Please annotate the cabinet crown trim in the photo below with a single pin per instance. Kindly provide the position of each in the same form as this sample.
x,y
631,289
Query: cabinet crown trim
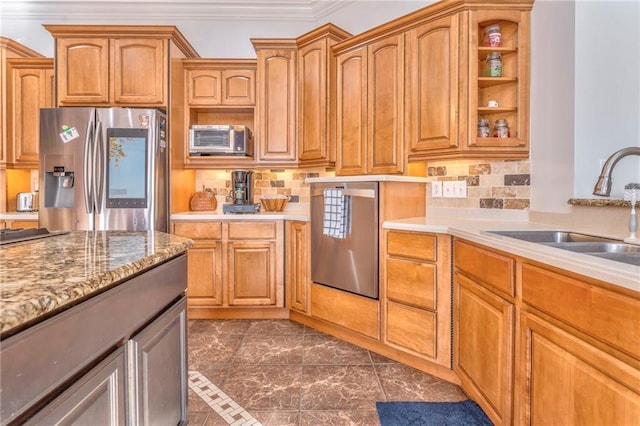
x,y
17,48
122,31
327,30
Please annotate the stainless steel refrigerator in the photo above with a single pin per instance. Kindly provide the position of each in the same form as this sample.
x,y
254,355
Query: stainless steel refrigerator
x,y
104,169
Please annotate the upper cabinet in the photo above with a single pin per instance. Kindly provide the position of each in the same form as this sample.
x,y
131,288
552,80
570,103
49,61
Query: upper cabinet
x,y
30,87
102,65
370,107
8,49
316,85
216,82
468,92
276,101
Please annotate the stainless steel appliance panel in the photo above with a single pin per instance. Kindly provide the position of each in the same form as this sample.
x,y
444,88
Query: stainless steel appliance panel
x,y
104,169
349,263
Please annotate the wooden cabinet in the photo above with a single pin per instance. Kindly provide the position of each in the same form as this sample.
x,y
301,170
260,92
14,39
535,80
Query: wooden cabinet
x,y
14,224
370,108
234,264
214,82
104,65
316,100
218,91
30,88
9,49
579,351
417,294
451,91
297,264
204,262
484,328
276,101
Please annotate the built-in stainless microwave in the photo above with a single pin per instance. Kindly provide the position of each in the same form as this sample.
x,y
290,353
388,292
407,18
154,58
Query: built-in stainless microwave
x,y
220,139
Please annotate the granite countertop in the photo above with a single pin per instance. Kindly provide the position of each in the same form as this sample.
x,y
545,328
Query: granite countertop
x,y
43,276
618,273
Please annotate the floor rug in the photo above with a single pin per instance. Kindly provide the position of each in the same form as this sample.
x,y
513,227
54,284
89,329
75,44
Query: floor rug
x,y
431,414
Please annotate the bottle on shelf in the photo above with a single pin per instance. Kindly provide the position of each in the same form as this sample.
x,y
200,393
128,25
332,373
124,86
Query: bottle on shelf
x,y
483,128
493,36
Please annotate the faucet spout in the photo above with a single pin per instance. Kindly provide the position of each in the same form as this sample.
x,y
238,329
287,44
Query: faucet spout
x,y
603,185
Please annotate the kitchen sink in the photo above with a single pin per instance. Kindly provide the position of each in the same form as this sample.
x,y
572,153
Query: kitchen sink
x,y
592,245
551,236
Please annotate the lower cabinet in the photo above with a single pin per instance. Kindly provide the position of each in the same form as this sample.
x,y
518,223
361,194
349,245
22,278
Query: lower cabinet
x,y
484,331
417,294
234,264
142,382
538,345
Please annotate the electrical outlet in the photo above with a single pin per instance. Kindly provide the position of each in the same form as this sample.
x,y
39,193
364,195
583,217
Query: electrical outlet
x,y
436,189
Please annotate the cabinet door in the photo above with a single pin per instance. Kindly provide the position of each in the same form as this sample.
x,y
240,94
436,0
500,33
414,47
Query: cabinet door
x,y
351,112
98,398
30,90
238,87
204,87
82,71
566,381
385,97
139,71
297,265
252,273
483,347
313,137
158,370
276,106
433,85
205,274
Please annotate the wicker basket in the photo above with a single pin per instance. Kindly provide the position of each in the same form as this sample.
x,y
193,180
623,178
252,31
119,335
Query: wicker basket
x,y
274,203
203,200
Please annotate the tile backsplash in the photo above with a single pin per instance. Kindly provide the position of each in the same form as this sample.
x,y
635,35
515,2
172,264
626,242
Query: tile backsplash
x,y
496,184
266,182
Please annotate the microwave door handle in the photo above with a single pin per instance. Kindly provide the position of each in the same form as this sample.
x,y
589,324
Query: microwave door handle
x,y
99,165
87,168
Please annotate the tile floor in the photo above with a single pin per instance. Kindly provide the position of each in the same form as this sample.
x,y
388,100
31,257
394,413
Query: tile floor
x,y
279,372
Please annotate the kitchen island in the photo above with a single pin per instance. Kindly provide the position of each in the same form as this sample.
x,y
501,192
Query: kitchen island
x,y
93,325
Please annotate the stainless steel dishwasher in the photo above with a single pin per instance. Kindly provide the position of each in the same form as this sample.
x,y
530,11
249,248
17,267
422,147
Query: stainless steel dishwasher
x,y
348,261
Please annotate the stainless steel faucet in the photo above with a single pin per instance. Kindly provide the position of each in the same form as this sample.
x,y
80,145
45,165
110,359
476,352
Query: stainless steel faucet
x,y
603,185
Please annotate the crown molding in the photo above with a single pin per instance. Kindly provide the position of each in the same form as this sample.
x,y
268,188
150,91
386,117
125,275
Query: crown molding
x,y
143,10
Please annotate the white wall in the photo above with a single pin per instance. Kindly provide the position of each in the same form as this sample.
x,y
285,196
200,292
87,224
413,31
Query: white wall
x,y
607,91
552,105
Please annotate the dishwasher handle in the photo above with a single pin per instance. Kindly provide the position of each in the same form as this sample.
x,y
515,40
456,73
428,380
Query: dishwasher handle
x,y
352,192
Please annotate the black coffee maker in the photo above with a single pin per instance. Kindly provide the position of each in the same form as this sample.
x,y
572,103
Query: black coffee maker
x,y
241,193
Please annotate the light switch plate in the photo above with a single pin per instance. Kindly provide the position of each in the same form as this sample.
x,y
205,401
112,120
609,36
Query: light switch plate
x,y
436,189
454,189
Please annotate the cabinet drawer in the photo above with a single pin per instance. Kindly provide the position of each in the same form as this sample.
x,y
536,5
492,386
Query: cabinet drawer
x,y
412,245
411,328
247,230
412,283
489,267
198,230
601,313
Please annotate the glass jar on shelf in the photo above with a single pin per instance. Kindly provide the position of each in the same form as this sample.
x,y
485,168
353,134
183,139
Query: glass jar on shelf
x,y
501,129
483,128
493,65
493,36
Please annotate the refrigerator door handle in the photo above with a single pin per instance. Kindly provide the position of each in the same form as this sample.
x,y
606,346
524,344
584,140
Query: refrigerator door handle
x,y
98,168
87,166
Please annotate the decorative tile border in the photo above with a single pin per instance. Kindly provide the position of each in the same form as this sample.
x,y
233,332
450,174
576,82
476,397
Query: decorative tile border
x,y
220,402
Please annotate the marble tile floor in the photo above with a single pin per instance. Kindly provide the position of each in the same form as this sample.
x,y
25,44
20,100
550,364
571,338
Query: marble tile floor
x,y
279,372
